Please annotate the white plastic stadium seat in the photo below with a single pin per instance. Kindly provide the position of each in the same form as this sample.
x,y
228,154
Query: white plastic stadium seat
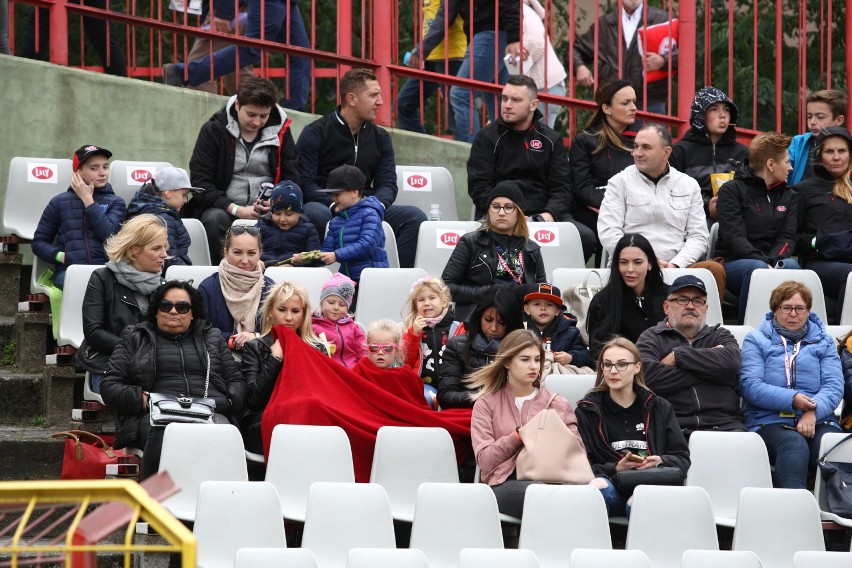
x,y
560,245
570,387
32,183
383,292
195,453
275,558
841,454
714,306
311,277
234,514
814,559
722,482
127,176
390,245
596,558
565,278
436,242
497,558
405,457
387,558
765,280
424,186
740,332
196,272
199,252
71,313
793,516
719,558
846,312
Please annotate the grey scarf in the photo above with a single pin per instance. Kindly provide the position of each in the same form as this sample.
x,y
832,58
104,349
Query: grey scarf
x,y
142,282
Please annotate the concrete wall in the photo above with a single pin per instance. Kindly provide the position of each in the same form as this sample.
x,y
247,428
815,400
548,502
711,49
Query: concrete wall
x,y
49,111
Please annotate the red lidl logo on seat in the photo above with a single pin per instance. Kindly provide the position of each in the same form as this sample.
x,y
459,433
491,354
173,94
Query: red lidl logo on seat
x,y
448,239
41,173
140,175
547,237
417,181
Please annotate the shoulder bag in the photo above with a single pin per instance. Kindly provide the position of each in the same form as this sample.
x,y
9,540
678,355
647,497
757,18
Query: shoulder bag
x,y
85,455
551,453
168,408
837,481
578,298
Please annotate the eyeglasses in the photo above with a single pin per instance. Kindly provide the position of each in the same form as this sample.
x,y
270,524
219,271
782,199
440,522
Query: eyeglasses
x,y
791,309
509,209
619,366
684,301
166,306
382,347
252,230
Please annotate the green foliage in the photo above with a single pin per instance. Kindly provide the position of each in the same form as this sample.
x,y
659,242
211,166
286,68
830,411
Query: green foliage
x,y
39,421
9,353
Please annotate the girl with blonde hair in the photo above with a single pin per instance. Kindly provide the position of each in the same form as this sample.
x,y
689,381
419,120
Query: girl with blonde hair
x,y
427,326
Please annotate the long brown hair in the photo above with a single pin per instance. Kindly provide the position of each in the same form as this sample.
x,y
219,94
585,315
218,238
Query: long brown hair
x,y
493,377
598,126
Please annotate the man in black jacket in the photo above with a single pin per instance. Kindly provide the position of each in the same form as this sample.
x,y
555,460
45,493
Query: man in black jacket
x,y
519,146
245,144
691,364
348,136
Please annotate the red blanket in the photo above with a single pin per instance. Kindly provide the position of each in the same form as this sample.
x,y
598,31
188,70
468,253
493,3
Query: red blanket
x,y
314,389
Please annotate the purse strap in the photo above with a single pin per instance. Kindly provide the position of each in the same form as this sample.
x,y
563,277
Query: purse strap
x,y
207,377
832,448
589,275
78,447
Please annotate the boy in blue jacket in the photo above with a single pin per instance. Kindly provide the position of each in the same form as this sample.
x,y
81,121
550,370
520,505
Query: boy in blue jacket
x,y
75,224
544,315
164,195
285,233
825,108
355,236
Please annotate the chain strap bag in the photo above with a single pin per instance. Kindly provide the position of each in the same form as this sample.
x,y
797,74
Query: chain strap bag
x,y
551,452
837,479
168,408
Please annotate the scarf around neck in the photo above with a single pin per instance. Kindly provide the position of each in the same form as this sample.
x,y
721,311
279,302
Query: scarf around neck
x,y
142,282
794,335
242,290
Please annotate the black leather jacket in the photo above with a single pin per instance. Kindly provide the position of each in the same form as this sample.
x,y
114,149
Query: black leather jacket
x,y
108,307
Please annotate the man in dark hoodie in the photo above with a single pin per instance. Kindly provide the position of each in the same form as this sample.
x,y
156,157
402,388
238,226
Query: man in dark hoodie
x,y
710,148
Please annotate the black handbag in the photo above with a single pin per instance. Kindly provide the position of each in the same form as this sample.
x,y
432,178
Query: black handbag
x,y
168,408
628,480
90,360
837,482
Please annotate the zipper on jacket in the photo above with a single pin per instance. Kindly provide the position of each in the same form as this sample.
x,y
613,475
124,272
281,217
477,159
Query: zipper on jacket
x,y
698,404
342,341
183,367
86,236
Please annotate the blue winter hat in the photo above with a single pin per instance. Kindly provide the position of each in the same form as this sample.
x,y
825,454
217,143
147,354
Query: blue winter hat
x,y
286,196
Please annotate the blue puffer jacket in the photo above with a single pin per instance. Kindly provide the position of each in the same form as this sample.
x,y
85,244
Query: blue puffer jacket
x,y
279,245
357,238
179,240
763,382
77,231
217,309
800,155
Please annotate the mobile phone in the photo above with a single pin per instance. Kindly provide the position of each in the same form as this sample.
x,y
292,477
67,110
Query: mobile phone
x,y
265,191
636,458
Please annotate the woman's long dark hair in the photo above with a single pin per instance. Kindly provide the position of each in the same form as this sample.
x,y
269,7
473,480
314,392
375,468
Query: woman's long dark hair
x,y
509,309
199,310
613,293
598,126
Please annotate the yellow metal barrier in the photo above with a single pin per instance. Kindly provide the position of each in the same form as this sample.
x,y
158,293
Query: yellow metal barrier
x,y
62,522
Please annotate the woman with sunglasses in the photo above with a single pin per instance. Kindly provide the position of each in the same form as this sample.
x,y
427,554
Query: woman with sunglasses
x,y
625,426
791,381
174,351
498,254
288,304
235,293
117,295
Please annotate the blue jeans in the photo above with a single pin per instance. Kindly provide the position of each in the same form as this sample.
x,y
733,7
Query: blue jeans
x,y
480,68
274,13
833,276
616,503
408,100
792,454
738,275
551,111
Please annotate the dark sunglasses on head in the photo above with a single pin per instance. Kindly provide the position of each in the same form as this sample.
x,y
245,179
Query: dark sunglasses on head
x,y
252,230
382,347
166,306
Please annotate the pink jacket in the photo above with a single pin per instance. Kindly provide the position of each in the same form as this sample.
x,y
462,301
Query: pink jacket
x,y
350,342
492,429
547,70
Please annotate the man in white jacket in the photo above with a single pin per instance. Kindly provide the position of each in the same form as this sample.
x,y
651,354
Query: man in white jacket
x,y
659,202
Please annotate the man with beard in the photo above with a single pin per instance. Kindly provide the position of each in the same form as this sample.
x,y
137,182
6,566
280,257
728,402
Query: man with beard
x,y
691,364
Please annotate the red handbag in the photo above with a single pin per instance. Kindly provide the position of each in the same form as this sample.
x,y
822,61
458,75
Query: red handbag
x,y
86,455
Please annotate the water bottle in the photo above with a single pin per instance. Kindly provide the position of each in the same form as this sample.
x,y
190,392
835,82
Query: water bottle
x,y
435,212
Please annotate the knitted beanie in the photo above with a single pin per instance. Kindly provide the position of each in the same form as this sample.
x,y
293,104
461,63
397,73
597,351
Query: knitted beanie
x,y
338,285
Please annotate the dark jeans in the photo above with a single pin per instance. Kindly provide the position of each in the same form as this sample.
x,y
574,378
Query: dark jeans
x,y
111,54
216,222
792,454
588,219
510,496
833,276
405,221
408,100
738,276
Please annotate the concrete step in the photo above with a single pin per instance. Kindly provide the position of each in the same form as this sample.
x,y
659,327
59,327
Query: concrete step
x,y
28,452
23,397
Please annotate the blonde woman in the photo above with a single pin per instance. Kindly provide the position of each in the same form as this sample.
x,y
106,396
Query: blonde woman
x,y
509,394
117,295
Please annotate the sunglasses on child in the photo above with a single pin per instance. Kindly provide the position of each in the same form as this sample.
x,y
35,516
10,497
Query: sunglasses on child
x,y
382,347
166,306
252,230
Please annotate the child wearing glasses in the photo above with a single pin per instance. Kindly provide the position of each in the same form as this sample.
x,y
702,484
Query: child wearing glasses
x,y
332,318
544,314
286,233
355,236
625,426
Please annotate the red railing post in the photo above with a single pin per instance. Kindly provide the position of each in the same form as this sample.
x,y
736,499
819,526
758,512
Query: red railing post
x,y
382,56
59,33
848,53
686,59
344,34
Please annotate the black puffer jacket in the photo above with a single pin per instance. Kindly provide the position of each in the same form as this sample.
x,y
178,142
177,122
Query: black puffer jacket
x,y
591,172
819,211
756,222
661,430
452,391
471,269
108,307
133,369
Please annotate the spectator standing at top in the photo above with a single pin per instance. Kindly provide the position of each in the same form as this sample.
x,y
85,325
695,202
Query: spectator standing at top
x,y
546,69
245,144
824,109
75,224
520,147
610,28
443,55
710,146
349,136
